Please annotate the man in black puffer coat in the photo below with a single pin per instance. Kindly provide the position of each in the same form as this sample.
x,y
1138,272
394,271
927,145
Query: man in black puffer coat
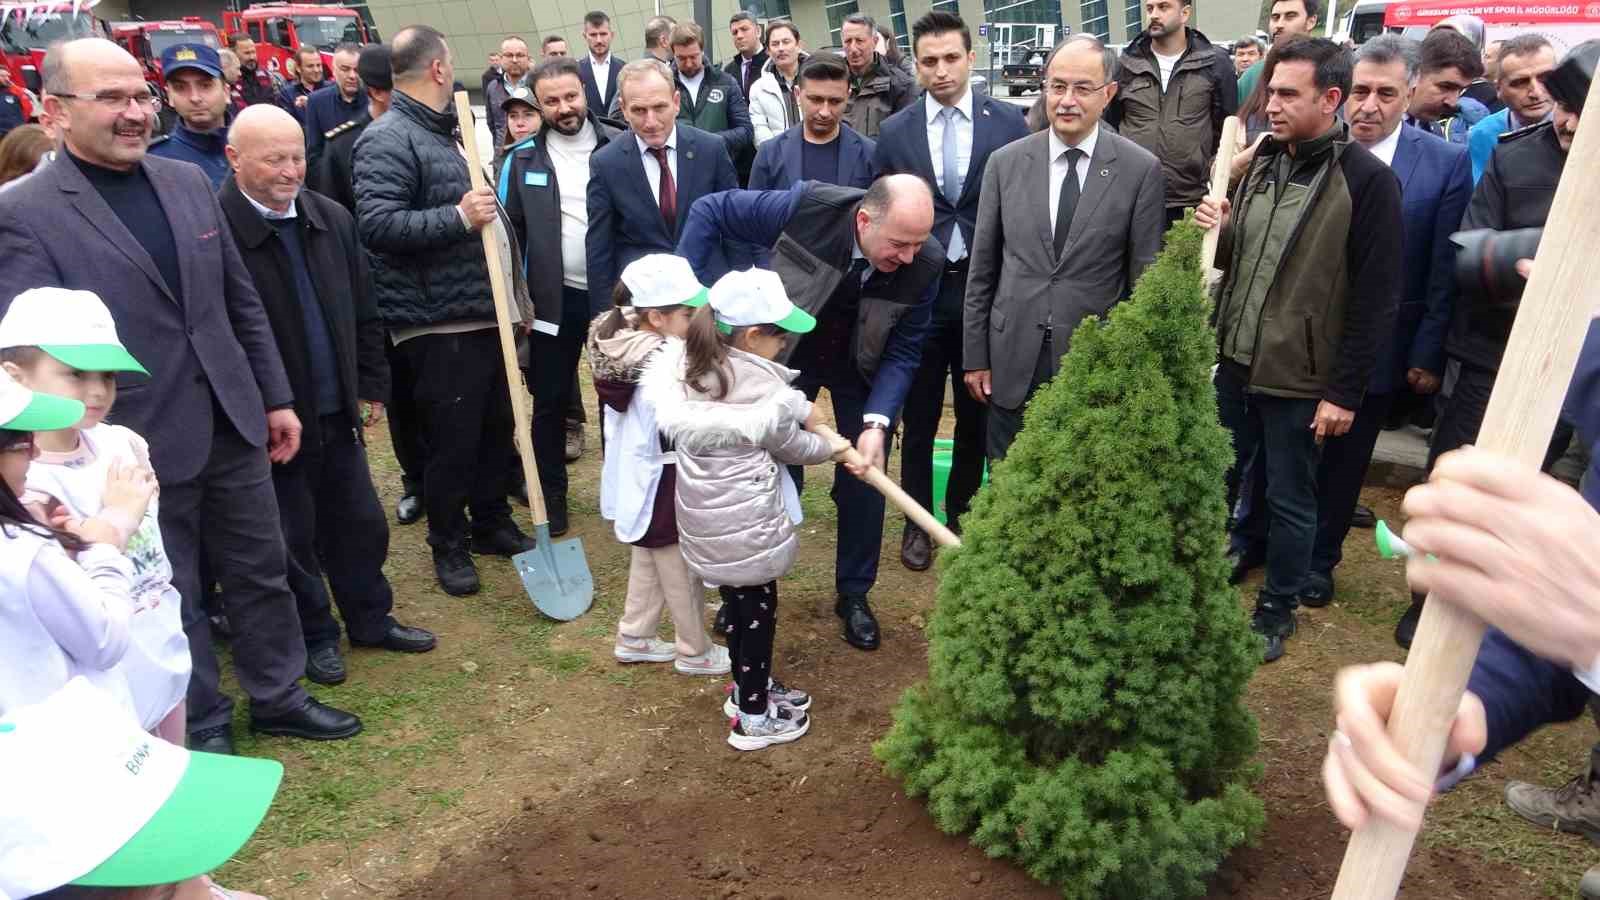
x,y
419,218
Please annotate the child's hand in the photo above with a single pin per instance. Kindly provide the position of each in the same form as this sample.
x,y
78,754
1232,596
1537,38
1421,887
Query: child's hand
x,y
90,531
129,488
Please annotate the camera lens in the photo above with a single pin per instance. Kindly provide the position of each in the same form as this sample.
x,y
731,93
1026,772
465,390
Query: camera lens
x,y
1486,273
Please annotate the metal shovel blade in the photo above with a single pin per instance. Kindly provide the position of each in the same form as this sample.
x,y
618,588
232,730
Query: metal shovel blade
x,y
556,575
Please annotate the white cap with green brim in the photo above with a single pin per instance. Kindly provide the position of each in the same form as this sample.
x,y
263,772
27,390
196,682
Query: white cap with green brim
x,y
661,279
91,799
72,326
25,410
756,297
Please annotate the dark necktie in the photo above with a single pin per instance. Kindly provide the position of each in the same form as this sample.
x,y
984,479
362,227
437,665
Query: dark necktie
x,y
1068,203
668,194
744,76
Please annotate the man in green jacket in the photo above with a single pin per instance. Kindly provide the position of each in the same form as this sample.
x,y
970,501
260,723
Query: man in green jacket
x,y
709,98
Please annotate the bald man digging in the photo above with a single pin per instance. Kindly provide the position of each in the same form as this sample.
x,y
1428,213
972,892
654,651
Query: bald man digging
x,y
147,235
866,265
307,263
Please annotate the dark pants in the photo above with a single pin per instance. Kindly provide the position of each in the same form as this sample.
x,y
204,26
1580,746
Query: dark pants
x,y
859,504
232,503
553,361
1521,693
1276,433
1173,214
1005,423
941,365
1463,413
405,426
333,524
752,622
465,413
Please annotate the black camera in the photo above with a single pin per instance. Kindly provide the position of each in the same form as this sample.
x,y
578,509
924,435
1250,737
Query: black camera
x,y
1486,272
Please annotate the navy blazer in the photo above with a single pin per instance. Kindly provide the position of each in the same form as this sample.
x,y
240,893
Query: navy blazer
x,y
778,166
591,92
625,221
1435,187
903,147
209,339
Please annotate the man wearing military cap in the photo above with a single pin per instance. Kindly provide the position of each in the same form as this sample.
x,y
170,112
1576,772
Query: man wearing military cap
x,y
197,93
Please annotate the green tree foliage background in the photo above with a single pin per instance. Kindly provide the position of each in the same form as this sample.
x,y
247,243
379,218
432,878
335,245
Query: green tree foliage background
x,y
1083,710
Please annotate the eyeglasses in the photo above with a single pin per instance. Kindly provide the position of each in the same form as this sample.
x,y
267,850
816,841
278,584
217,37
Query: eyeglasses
x,y
115,99
1081,90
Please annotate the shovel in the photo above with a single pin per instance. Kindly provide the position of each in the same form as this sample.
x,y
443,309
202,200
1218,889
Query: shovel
x,y
846,452
555,574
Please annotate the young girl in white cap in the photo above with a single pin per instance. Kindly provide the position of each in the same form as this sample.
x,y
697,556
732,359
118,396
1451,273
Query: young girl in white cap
x,y
64,587
654,300
735,422
65,342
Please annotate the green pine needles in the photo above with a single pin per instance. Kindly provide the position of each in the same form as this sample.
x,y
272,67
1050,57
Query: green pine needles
x,y
1083,710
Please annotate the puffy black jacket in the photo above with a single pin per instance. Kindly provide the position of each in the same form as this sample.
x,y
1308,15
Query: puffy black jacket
x,y
427,266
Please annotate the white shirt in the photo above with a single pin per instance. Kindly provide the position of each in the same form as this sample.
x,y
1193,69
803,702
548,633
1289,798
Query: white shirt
x,y
569,156
1058,166
602,74
963,130
268,212
691,86
855,254
1385,147
1166,64
652,169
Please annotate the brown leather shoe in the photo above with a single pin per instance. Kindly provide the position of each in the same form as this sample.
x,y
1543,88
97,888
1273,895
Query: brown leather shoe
x,y
916,549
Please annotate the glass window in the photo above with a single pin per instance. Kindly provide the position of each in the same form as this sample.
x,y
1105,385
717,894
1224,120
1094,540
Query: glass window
x,y
327,32
897,22
837,10
1134,11
1096,20
22,30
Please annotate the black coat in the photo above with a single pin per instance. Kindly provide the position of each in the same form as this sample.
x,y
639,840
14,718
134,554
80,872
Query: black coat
x,y
339,272
427,266
331,175
1516,191
734,70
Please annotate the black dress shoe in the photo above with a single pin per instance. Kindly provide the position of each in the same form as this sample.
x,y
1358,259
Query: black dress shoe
x,y
401,639
557,509
218,739
455,571
1363,517
1242,561
312,722
325,666
916,549
503,539
1406,629
1317,591
409,509
860,626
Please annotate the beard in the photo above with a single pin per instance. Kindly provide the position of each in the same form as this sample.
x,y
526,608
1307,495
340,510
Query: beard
x,y
569,124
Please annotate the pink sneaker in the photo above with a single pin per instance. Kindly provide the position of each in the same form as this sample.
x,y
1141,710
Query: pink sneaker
x,y
712,662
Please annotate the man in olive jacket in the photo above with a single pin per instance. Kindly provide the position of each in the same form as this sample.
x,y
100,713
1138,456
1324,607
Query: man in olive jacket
x,y
878,88
709,98
1311,251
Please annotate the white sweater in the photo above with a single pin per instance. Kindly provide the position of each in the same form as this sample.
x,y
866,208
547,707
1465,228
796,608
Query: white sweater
x,y
60,619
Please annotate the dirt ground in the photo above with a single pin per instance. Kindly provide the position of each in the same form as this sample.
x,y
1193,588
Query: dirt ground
x,y
519,760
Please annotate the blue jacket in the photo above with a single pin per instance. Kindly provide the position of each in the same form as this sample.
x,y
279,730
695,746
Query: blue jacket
x,y
903,147
778,166
720,225
1482,138
11,114
625,221
293,91
1469,112
326,110
1434,190
203,149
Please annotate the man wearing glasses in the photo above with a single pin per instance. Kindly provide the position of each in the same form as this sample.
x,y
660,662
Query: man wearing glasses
x,y
1051,259
147,235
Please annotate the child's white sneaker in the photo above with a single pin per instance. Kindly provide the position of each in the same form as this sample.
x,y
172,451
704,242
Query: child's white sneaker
x,y
640,650
777,695
712,662
779,726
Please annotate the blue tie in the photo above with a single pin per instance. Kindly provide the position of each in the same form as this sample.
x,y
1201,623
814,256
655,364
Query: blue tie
x,y
950,180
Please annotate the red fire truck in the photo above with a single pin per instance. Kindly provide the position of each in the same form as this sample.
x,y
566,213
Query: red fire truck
x,y
148,40
279,29
28,29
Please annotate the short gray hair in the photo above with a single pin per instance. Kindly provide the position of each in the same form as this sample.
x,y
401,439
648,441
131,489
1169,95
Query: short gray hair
x,y
647,66
1108,56
1387,49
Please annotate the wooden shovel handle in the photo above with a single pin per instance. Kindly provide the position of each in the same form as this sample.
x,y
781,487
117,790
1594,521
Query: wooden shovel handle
x,y
886,486
1219,189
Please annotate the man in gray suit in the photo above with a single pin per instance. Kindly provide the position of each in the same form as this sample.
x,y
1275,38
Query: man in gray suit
x,y
148,236
1041,261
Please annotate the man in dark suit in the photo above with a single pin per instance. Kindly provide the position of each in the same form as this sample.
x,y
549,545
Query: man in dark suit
x,y
821,148
1067,221
147,235
642,184
867,267
308,265
600,69
945,138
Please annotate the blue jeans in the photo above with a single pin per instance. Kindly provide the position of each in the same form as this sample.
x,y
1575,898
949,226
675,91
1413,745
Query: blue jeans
x,y
1276,433
859,504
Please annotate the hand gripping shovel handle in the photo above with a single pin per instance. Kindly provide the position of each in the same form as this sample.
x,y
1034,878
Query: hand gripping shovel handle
x,y
1218,191
848,453
502,317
